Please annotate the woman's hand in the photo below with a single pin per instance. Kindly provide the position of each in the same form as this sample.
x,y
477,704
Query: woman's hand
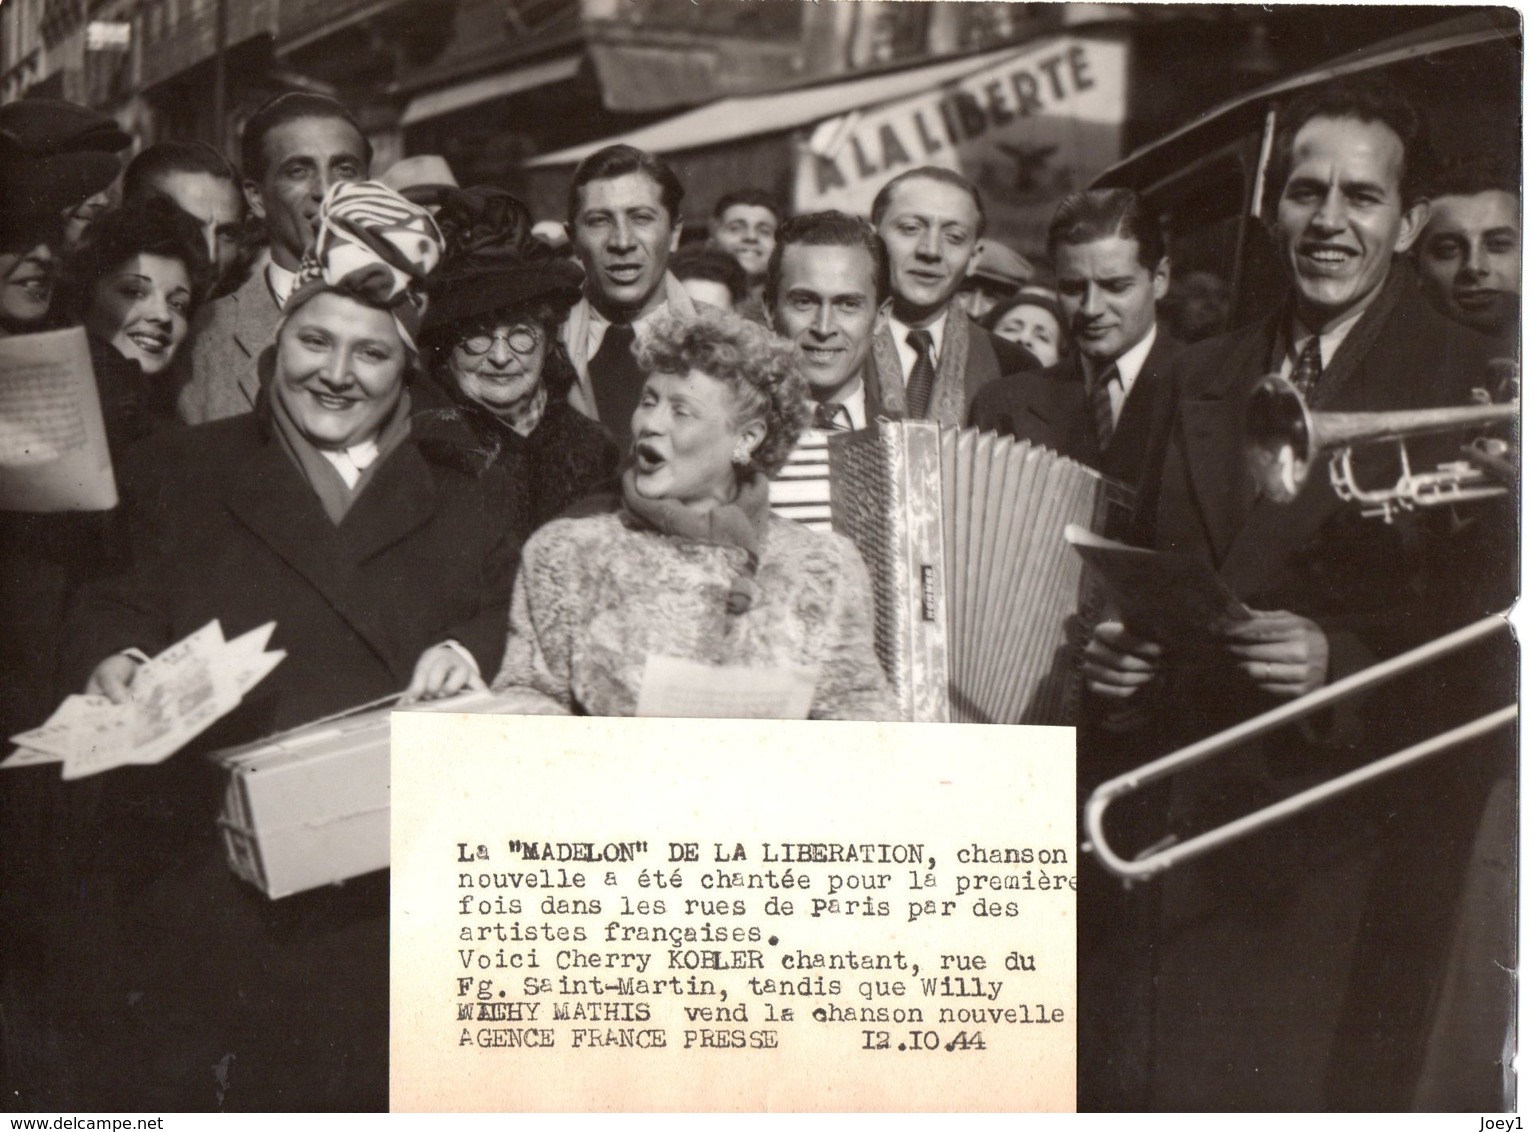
x,y
113,678
1283,653
1118,664
441,672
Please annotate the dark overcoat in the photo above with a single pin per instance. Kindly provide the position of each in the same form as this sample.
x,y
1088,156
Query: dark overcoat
x,y
1296,969
196,992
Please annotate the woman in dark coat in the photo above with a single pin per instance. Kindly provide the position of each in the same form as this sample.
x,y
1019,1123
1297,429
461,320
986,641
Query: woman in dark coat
x,y
492,344
382,545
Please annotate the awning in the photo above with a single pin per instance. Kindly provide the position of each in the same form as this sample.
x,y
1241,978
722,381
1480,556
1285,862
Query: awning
x,y
445,100
751,115
1215,128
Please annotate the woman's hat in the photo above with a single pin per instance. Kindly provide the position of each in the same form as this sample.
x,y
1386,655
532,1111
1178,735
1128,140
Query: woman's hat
x,y
375,246
53,154
493,260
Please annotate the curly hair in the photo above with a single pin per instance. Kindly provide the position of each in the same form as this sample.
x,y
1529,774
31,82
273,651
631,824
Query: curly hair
x,y
154,226
761,370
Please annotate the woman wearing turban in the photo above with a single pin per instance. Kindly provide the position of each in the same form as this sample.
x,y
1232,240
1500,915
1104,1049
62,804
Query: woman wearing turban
x,y
383,547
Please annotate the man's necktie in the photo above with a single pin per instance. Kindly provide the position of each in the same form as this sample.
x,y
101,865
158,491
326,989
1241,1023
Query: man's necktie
x,y
1308,370
1103,406
616,380
919,387
832,417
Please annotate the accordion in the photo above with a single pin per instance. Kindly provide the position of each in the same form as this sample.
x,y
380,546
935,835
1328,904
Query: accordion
x,y
976,591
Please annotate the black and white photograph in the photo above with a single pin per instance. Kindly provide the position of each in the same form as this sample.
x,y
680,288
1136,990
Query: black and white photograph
x,y
1145,370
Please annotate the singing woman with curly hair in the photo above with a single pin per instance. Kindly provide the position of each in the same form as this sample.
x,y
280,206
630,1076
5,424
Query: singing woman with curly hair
x,y
693,565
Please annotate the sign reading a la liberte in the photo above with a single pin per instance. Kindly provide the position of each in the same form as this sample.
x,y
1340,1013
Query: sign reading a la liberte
x,y
1060,82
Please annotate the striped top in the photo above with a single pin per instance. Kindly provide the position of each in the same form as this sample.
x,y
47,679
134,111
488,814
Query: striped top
x,y
802,490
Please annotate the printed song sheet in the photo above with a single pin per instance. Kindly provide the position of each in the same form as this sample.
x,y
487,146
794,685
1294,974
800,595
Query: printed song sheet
x,y
53,445
631,915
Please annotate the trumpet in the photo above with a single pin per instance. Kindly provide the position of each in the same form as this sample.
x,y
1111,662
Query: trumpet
x,y
1284,439
1159,858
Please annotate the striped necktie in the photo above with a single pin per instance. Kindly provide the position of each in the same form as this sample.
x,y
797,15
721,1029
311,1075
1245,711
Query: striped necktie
x,y
1307,374
919,387
1103,406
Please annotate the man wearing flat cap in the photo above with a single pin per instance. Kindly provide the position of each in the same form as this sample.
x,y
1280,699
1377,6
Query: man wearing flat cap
x,y
999,273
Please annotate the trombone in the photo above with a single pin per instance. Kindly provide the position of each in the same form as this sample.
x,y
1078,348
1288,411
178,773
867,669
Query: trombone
x,y
1285,438
1159,859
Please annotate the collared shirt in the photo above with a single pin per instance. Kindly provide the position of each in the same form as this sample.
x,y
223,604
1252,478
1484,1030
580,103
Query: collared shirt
x,y
597,325
352,462
802,489
904,350
280,280
1300,338
1129,364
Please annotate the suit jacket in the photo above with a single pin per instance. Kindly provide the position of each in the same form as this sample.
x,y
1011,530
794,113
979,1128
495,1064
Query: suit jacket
x,y
1345,900
988,359
1051,407
1315,556
229,336
573,333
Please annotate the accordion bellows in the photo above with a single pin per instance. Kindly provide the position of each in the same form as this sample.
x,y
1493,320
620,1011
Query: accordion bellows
x,y
976,590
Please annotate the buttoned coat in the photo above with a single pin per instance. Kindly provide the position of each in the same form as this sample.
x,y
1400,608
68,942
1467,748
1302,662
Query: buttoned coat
x,y
189,965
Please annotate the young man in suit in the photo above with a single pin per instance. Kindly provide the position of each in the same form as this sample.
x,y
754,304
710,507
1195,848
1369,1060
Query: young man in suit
x,y
1097,407
826,287
625,221
930,360
1295,971
293,149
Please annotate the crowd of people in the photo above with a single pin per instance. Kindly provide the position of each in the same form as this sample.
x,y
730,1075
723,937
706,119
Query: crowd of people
x,y
443,446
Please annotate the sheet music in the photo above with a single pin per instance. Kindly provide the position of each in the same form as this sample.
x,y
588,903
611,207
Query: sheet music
x,y
175,697
53,444
673,687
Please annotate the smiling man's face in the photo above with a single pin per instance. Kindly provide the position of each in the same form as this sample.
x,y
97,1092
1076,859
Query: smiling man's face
x,y
1341,216
827,305
932,230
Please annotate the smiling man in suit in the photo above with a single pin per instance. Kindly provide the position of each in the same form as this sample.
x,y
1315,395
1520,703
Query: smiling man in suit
x,y
294,148
930,359
1310,953
827,282
1098,406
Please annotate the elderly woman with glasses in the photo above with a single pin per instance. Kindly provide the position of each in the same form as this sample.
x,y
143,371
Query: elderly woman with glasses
x,y
492,346
693,566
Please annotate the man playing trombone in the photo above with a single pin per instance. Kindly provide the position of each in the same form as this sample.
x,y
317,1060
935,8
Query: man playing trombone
x,y
1273,959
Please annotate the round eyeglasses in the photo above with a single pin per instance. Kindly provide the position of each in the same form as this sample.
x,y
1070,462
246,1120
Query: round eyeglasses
x,y
520,340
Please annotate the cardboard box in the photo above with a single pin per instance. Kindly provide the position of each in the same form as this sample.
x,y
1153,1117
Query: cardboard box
x,y
310,807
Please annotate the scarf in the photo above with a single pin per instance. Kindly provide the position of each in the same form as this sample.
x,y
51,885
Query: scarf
x,y
946,404
738,524
321,475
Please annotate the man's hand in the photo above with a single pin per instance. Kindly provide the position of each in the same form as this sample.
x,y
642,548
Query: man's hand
x,y
1282,653
441,672
113,678
1118,664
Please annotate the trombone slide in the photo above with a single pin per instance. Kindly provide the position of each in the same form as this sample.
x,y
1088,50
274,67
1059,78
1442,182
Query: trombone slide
x,y
1149,864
